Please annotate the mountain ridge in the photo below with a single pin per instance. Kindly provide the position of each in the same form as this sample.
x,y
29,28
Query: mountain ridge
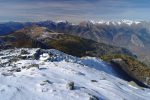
x,y
134,37
36,36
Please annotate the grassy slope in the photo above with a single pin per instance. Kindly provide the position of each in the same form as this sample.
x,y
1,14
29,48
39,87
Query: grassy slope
x,y
132,66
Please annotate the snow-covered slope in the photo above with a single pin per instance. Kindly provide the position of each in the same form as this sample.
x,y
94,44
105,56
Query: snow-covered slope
x,y
35,74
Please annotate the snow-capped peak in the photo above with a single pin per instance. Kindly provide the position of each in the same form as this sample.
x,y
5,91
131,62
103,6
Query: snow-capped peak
x,y
130,22
64,21
61,21
127,22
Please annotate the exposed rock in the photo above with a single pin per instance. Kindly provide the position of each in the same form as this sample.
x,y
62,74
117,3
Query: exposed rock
x,y
46,82
93,98
15,70
44,56
33,65
70,85
94,81
24,52
7,73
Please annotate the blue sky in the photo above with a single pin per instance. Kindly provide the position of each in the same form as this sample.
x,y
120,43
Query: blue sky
x,y
74,10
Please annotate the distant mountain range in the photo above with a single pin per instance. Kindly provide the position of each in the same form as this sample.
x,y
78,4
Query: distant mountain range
x,y
133,35
9,27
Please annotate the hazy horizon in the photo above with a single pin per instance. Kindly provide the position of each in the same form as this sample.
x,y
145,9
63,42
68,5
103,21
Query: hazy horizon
x,y
73,10
74,22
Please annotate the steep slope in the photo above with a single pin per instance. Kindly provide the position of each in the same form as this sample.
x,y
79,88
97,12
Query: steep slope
x,y
35,74
44,38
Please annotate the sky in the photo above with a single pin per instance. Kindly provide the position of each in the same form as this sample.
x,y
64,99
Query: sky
x,y
74,10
